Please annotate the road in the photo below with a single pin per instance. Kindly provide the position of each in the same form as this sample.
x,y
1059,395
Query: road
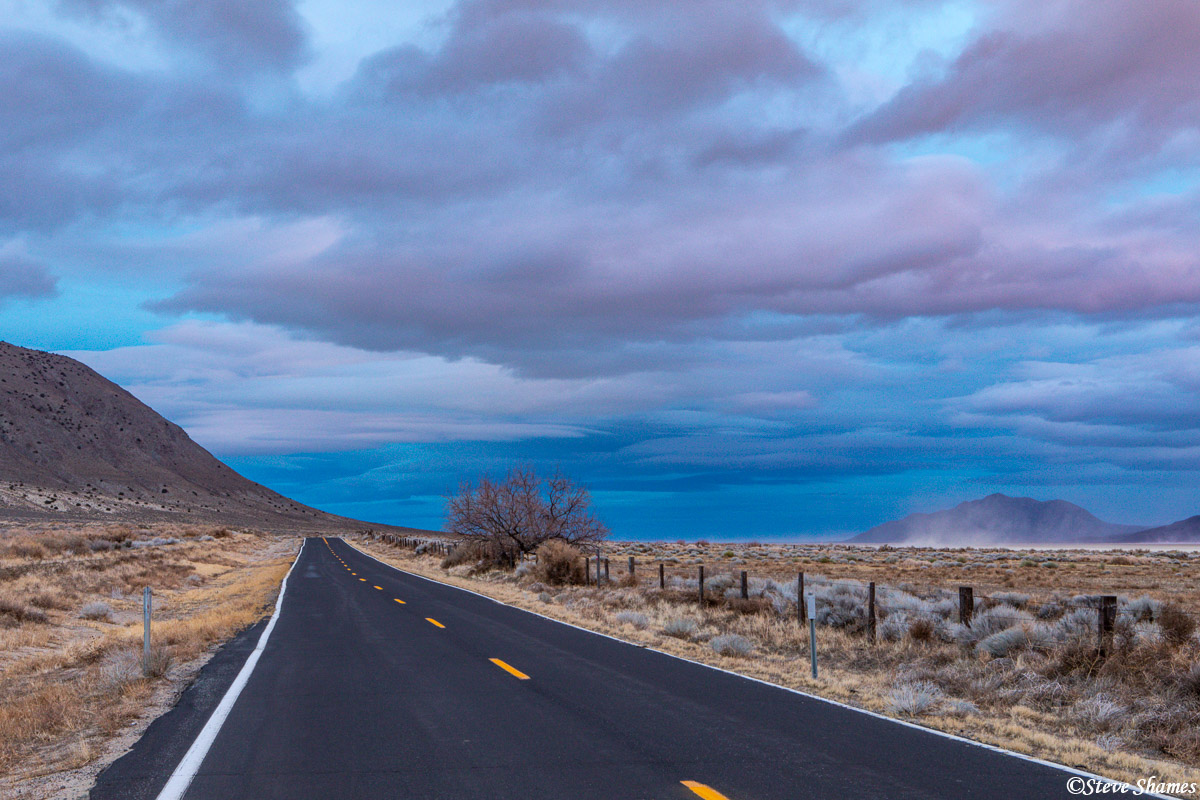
x,y
375,683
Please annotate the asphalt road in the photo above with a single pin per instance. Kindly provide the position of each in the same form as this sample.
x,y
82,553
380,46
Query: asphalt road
x,y
376,683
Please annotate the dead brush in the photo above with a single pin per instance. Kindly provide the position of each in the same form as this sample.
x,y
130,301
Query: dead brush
x,y
559,563
14,613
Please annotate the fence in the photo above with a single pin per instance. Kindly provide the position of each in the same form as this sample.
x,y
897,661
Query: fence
x,y
994,622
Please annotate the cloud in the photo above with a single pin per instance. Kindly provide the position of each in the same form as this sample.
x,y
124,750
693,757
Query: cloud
x,y
230,35
20,277
1066,68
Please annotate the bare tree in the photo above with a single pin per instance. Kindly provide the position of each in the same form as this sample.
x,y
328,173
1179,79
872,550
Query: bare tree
x,y
521,512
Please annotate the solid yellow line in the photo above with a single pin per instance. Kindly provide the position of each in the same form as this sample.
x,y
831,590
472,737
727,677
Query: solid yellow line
x,y
509,669
707,792
380,588
435,622
398,600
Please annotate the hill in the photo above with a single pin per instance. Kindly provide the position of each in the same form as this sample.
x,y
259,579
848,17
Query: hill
x,y
999,519
1186,530
74,445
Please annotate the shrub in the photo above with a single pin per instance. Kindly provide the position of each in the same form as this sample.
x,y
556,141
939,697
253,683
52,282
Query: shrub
x,y
1176,625
680,627
1006,642
731,644
482,556
119,669
97,610
1098,712
13,614
914,699
922,629
160,661
634,618
558,563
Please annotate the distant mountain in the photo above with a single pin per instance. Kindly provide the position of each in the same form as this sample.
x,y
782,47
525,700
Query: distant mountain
x,y
74,445
1186,530
999,519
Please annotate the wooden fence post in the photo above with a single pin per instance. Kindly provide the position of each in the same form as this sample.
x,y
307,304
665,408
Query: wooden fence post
x,y
606,578
587,570
966,605
631,567
800,598
701,584
1108,616
745,587
662,576
871,612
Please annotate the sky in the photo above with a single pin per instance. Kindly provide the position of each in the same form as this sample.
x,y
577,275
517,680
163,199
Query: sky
x,y
748,269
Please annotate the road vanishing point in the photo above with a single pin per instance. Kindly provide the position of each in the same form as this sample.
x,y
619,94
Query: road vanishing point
x,y
370,682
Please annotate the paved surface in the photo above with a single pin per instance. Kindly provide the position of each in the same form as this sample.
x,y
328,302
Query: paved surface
x,y
451,695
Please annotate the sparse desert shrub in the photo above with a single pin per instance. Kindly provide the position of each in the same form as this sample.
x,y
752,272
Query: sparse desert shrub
x,y
559,563
1148,634
893,627
96,610
1176,624
922,629
913,699
119,669
160,661
1008,641
14,614
523,569
960,708
1014,599
991,621
1098,712
730,644
480,556
634,618
546,597
680,627
1142,608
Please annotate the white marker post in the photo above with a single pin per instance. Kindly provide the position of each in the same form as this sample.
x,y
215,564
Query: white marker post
x,y
812,631
146,631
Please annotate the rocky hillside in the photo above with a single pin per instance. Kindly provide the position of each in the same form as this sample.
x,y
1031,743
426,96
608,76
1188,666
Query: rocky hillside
x,y
75,445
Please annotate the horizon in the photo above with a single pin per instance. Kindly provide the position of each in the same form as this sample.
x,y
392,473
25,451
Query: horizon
x,y
757,272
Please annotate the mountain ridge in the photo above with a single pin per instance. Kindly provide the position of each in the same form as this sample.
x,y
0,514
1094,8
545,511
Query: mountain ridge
x,y
999,519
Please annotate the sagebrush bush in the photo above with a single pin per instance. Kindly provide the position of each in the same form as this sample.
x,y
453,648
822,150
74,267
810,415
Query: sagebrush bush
x,y
559,563
680,627
634,618
119,669
97,610
913,699
731,644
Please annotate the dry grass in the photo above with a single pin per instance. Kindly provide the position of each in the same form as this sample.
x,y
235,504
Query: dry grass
x,y
71,671
1027,677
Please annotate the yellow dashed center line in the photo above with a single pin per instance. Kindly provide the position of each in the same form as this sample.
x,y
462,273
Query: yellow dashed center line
x,y
398,600
380,588
707,792
432,621
516,673
364,580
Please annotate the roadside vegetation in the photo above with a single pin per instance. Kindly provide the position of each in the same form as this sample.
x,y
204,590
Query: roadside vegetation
x,y
74,693
1027,673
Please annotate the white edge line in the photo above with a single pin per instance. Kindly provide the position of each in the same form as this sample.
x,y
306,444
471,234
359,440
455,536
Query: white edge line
x,y
182,777
839,704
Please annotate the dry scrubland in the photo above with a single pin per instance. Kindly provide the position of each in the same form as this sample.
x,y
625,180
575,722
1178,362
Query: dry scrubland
x,y
72,692
1025,675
